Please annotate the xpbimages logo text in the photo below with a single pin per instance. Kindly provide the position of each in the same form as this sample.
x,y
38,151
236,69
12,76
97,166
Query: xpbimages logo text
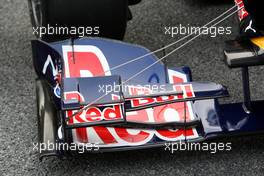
x,y
140,89
212,31
80,31
212,147
80,147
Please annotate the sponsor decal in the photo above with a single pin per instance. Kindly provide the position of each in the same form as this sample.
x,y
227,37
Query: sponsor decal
x,y
90,61
241,13
55,73
186,89
47,63
57,91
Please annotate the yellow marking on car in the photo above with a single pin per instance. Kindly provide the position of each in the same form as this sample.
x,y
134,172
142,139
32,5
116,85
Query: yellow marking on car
x,y
258,41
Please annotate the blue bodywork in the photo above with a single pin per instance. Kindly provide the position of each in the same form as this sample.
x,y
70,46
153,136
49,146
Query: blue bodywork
x,y
215,120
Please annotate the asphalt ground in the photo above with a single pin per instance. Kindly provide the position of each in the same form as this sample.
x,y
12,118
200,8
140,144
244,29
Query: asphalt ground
x,y
18,127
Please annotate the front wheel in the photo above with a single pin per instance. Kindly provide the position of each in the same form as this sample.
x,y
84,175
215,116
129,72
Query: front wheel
x,y
46,116
133,2
109,15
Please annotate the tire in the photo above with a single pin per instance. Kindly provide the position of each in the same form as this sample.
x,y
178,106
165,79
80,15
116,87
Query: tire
x,y
109,15
46,116
37,13
133,2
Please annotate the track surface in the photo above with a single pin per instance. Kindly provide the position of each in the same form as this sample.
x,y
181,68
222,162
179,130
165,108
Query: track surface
x,y
18,128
